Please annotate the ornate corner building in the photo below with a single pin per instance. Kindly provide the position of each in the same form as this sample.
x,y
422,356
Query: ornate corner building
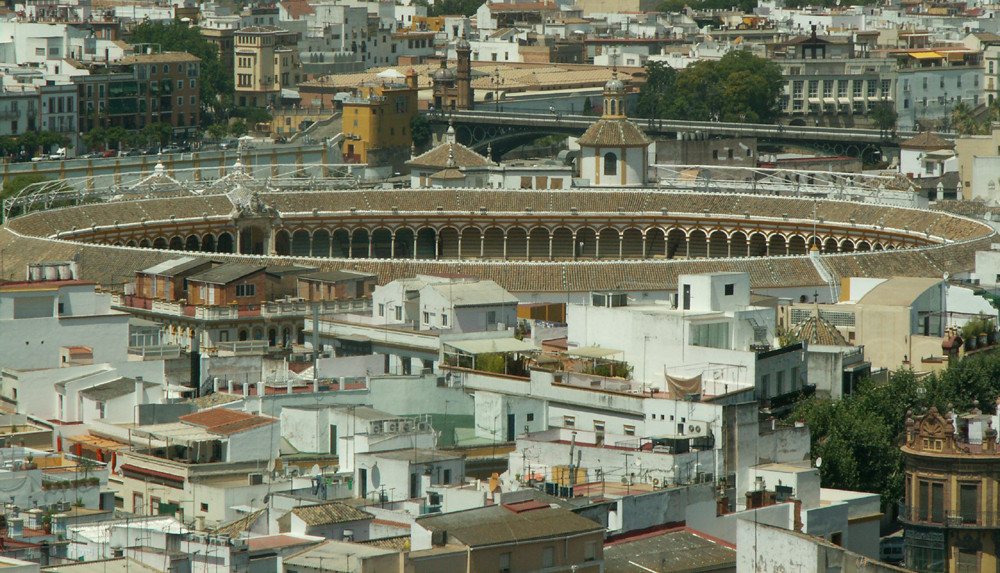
x,y
952,491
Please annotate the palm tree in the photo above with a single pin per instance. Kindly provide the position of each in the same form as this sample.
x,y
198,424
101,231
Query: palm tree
x,y
963,120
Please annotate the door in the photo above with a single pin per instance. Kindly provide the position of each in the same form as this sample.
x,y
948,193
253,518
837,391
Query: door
x,y
414,489
333,439
510,427
363,482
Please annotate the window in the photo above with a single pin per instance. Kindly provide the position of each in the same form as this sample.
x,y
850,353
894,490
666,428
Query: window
x,y
444,319
610,164
154,505
427,317
714,335
381,309
969,502
399,313
549,557
39,51
491,317
204,507
505,562
599,426
245,290
629,430
569,421
531,417
137,503
590,551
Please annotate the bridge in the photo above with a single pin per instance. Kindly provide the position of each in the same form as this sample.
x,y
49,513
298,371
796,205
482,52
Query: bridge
x,y
507,130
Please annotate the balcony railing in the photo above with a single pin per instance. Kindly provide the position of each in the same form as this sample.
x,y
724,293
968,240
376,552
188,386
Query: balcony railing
x,y
948,518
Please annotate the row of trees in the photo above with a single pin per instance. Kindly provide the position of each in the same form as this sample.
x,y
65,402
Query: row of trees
x,y
29,143
119,138
740,87
859,436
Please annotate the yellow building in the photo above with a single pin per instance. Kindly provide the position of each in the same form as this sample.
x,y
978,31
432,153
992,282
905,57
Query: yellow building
x,y
376,119
265,61
952,485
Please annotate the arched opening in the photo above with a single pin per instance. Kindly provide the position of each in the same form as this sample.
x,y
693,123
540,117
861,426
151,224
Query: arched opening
x,y
426,243
132,243
738,246
814,241
847,246
286,336
697,244
359,244
758,245
342,243
655,243
863,246
718,245
796,245
118,244
493,245
272,336
877,247
449,243
193,243
538,244
517,243
283,242
608,244
258,333
225,243
176,243
562,244
471,243
208,243
777,245
382,243
586,243
252,241
301,243
244,334
146,244
632,244
404,243
830,245
321,243
610,163
676,243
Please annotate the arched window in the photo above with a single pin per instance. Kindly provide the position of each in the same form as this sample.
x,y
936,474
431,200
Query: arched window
x,y
614,107
610,164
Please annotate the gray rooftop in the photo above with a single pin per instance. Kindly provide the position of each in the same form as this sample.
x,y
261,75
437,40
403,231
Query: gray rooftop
x,y
497,524
113,389
226,273
336,276
479,293
417,456
681,550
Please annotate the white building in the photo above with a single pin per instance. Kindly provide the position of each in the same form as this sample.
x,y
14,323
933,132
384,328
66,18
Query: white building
x,y
40,317
447,303
398,475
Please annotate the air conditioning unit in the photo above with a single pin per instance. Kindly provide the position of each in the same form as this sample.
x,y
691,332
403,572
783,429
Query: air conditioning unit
x,y
391,427
376,428
694,428
424,426
255,479
407,426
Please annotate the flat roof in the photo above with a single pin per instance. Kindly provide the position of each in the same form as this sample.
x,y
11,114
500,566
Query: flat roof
x,y
593,352
485,346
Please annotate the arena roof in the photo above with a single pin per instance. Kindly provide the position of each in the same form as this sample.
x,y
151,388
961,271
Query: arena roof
x,y
59,234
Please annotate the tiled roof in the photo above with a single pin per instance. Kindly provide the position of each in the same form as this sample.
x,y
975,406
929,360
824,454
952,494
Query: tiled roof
x,y
225,421
461,156
497,524
818,330
297,8
614,133
238,526
327,513
226,273
168,57
926,140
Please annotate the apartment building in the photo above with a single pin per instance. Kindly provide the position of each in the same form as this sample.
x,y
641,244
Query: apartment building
x,y
932,82
266,60
376,119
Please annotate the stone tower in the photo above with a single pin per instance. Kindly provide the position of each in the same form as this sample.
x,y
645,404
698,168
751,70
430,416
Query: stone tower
x,y
463,75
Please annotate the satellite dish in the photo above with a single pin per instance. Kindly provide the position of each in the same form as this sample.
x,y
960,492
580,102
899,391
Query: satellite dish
x,y
819,462
638,462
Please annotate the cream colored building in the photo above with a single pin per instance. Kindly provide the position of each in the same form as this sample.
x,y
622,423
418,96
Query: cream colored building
x,y
265,61
973,149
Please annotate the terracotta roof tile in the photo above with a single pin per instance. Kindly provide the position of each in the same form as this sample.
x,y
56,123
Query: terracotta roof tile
x,y
326,513
614,133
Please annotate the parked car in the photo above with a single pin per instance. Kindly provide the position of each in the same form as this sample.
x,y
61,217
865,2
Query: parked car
x,y
229,144
110,153
172,149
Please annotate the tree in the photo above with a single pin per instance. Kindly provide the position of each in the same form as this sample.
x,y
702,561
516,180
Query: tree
x,y
238,128
963,121
116,135
28,142
96,137
884,117
420,130
159,132
739,87
218,131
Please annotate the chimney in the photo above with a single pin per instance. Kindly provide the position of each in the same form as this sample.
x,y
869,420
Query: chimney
x,y
139,386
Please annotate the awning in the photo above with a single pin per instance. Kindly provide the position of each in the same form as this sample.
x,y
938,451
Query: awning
x,y
844,101
490,345
814,100
177,388
829,101
926,55
151,473
593,352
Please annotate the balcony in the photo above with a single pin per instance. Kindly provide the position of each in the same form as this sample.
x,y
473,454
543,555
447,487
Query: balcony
x,y
949,518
